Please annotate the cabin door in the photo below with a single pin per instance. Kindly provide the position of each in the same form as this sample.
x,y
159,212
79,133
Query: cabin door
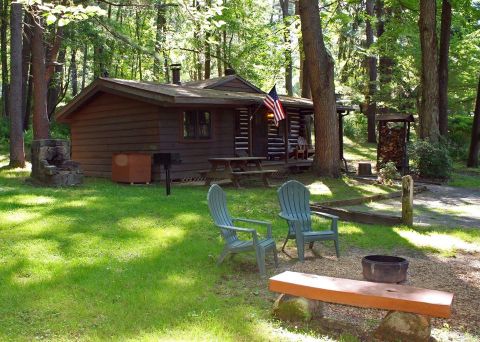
x,y
260,135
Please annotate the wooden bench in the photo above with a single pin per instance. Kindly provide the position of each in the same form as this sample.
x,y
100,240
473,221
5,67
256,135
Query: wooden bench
x,y
365,294
265,174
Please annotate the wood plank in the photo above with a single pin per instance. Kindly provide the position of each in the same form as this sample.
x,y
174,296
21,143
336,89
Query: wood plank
x,y
364,293
134,132
116,140
115,124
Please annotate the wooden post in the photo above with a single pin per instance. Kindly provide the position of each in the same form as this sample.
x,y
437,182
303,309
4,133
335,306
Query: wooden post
x,y
407,200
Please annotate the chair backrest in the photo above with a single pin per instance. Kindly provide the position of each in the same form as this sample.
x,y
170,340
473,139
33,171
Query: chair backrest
x,y
294,199
217,203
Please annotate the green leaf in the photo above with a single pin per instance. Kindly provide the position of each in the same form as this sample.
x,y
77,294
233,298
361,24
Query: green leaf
x,y
50,19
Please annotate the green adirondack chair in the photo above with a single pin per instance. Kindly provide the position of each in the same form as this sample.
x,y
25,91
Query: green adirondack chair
x,y
217,203
294,200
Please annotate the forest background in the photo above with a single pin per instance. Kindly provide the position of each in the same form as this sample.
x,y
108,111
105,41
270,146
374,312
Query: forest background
x,y
375,45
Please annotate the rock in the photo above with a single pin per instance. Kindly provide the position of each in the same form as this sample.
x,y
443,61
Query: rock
x,y
404,326
290,308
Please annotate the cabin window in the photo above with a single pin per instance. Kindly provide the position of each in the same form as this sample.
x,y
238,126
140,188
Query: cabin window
x,y
197,125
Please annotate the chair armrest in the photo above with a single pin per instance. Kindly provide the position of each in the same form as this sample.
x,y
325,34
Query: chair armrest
x,y
264,223
250,221
244,230
318,213
334,224
288,217
238,229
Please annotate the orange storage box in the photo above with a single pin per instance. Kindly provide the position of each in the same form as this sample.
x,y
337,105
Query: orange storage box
x,y
132,167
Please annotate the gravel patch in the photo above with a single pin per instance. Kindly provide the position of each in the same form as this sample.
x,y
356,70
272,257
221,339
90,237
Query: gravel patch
x,y
438,206
460,275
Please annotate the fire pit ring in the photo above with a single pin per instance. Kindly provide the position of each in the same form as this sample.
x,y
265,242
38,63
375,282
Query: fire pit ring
x,y
384,268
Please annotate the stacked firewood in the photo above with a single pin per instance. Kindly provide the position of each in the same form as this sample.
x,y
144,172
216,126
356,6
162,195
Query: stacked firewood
x,y
391,145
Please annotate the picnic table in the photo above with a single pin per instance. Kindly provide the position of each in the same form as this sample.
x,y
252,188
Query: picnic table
x,y
236,168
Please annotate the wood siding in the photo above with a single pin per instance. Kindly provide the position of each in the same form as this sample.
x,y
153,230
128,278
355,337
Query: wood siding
x,y
195,153
111,123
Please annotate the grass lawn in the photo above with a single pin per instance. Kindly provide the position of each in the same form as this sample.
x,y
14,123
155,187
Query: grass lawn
x,y
112,262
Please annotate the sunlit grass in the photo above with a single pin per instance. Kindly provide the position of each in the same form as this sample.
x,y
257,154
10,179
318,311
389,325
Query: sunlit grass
x,y
440,241
356,151
112,262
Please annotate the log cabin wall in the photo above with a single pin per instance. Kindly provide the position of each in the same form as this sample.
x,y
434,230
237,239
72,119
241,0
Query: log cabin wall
x,y
242,121
195,153
276,142
111,123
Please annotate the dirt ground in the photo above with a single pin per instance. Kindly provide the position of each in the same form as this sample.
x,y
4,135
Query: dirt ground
x,y
439,205
460,275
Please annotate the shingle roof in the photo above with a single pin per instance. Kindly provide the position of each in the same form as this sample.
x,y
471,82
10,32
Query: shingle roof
x,y
171,94
218,81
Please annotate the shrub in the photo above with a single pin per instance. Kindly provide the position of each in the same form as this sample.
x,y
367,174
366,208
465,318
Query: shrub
x,y
430,160
4,131
355,127
388,173
459,135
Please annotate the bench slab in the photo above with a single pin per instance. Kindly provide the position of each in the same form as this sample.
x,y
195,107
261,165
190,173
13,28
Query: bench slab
x,y
364,293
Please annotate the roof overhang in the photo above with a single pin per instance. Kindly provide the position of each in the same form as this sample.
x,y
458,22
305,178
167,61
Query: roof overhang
x,y
172,96
102,86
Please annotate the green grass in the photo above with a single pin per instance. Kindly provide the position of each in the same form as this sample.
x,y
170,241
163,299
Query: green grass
x,y
465,177
355,151
112,262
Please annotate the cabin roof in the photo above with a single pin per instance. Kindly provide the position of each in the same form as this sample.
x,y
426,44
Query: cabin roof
x,y
395,117
172,95
216,82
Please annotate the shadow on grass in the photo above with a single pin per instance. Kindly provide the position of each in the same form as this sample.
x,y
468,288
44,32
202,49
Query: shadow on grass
x,y
107,261
110,261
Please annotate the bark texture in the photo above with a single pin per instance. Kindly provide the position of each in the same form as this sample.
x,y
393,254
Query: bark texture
x,y
285,4
4,58
26,70
443,67
372,75
429,79
74,72
17,151
475,142
40,118
320,64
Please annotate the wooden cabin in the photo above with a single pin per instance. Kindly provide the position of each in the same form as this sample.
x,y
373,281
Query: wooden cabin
x,y
219,117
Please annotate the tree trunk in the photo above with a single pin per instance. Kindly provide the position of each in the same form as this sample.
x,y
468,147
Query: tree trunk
x,y
443,67
304,82
284,4
40,117
17,151
385,65
320,64
219,56
475,142
84,65
3,46
208,59
56,83
372,76
74,72
26,70
29,97
429,81
159,39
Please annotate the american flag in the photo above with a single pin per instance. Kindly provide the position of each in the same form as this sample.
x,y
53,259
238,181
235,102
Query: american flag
x,y
274,104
